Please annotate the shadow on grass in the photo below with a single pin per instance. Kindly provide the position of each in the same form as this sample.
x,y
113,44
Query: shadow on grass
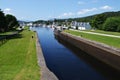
x,y
5,38
16,36
102,68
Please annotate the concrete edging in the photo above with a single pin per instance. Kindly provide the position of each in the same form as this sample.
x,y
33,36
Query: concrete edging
x,y
45,73
106,54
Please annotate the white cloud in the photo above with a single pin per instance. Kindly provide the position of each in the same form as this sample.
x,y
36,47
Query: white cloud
x,y
106,7
80,2
7,11
69,14
84,11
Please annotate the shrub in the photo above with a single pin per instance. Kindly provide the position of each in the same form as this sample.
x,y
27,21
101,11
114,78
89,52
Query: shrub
x,y
112,24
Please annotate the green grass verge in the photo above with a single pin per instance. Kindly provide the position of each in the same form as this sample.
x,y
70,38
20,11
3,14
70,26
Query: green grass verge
x,y
115,42
18,59
104,32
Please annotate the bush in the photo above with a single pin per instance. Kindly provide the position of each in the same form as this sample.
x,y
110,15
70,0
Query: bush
x,y
98,21
112,24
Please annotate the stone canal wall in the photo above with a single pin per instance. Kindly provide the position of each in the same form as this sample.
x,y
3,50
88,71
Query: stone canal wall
x,y
106,54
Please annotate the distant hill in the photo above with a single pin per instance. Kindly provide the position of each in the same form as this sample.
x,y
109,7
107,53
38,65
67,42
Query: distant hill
x,y
81,19
22,22
89,18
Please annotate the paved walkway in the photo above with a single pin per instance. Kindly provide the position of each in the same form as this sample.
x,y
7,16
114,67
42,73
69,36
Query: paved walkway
x,y
98,34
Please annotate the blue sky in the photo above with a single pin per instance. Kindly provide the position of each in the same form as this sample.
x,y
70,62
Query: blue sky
x,y
49,9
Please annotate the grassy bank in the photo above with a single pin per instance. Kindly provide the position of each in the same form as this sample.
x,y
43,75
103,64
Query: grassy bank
x,y
18,60
115,42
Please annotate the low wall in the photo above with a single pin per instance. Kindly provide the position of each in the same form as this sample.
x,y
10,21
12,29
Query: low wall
x,y
106,54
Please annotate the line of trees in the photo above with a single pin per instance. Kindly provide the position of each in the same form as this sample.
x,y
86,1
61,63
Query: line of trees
x,y
7,22
112,24
106,23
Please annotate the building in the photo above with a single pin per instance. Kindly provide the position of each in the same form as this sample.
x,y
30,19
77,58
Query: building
x,y
80,25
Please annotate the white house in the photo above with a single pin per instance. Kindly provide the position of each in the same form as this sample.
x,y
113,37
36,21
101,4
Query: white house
x,y
29,24
80,25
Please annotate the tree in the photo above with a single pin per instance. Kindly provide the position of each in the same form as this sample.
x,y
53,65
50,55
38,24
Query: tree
x,y
112,24
98,21
11,21
2,22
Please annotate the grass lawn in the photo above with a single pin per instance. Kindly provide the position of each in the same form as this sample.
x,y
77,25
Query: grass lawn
x,y
115,42
18,59
104,32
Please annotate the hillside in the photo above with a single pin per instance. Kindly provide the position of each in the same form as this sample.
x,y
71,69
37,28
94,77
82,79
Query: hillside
x,y
89,18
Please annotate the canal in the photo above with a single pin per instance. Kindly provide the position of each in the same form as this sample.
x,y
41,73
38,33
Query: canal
x,y
68,62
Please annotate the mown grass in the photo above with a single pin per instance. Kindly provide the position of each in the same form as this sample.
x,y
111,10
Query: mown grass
x,y
18,59
114,42
104,32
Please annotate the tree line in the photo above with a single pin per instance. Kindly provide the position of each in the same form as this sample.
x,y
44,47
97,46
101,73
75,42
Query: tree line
x,y
102,22
108,21
7,22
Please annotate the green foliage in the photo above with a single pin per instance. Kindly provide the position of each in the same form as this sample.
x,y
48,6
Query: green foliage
x,y
112,24
98,21
89,18
2,22
7,22
11,21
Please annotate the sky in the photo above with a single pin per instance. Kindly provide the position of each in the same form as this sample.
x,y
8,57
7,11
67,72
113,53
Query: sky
x,y
49,9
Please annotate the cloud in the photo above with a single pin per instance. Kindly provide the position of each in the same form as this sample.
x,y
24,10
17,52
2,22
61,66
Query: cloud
x,y
106,7
69,14
84,11
80,2
7,11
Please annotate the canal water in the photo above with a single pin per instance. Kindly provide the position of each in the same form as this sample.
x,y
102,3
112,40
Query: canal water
x,y
68,63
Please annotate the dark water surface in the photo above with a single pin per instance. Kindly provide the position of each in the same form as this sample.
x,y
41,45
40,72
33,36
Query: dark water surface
x,y
69,63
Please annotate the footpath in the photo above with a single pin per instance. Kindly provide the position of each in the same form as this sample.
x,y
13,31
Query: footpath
x,y
98,34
